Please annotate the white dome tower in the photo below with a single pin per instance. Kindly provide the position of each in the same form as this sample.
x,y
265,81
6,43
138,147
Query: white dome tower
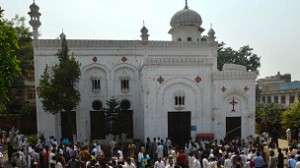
x,y
186,25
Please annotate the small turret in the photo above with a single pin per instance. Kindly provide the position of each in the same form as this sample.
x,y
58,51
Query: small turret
x,y
62,35
144,35
211,35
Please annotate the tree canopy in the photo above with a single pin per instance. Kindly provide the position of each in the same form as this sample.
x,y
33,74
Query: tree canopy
x,y
25,51
291,117
9,64
269,115
57,84
112,116
24,54
243,56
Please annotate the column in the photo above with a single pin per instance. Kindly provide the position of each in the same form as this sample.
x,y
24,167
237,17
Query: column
x,y
287,100
272,99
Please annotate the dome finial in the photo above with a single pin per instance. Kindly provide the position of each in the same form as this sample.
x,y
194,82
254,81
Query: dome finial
x,y
145,34
62,35
186,5
211,34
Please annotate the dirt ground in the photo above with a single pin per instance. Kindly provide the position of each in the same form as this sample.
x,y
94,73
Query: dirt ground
x,y
283,143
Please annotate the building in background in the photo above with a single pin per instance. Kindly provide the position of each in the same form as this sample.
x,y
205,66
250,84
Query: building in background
x,y
278,89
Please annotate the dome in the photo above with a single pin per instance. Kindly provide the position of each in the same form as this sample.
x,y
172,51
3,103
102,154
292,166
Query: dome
x,y
62,35
186,17
144,30
211,32
34,7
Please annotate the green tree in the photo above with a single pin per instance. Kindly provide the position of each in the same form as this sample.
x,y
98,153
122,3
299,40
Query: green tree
x,y
28,111
243,56
25,55
25,51
269,115
57,84
9,64
291,117
112,116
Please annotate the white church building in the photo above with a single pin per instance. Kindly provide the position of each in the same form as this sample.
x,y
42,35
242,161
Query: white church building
x,y
167,88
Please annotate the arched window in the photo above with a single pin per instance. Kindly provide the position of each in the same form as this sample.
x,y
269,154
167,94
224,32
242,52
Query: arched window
x,y
124,84
189,39
96,85
179,39
179,101
124,81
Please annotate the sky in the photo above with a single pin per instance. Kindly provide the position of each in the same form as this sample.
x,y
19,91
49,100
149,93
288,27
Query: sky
x,y
270,27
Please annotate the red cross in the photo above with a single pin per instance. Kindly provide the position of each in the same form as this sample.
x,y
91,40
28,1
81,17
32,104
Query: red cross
x,y
223,89
94,59
233,103
160,79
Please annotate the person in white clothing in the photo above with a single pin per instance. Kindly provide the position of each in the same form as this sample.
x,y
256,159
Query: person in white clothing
x,y
1,159
159,163
298,162
160,150
205,162
59,163
227,162
168,142
191,159
244,157
196,163
170,164
128,163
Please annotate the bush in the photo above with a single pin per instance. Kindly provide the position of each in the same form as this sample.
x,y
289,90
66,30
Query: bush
x,y
32,139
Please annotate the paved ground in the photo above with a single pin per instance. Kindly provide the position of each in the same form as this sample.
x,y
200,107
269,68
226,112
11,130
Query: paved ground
x,y
281,142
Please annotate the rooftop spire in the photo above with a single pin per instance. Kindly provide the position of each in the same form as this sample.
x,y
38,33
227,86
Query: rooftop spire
x,y
186,5
62,35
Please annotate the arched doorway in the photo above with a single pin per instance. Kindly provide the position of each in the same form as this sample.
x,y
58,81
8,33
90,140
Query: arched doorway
x,y
126,121
97,118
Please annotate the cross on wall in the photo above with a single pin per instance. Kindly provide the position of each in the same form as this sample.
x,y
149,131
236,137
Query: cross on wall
x,y
233,103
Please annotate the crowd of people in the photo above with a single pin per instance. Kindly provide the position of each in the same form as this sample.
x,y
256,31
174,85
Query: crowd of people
x,y
253,152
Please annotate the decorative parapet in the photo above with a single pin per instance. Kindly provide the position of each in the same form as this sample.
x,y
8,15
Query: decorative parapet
x,y
233,67
129,48
233,71
227,75
179,61
201,44
125,43
90,43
